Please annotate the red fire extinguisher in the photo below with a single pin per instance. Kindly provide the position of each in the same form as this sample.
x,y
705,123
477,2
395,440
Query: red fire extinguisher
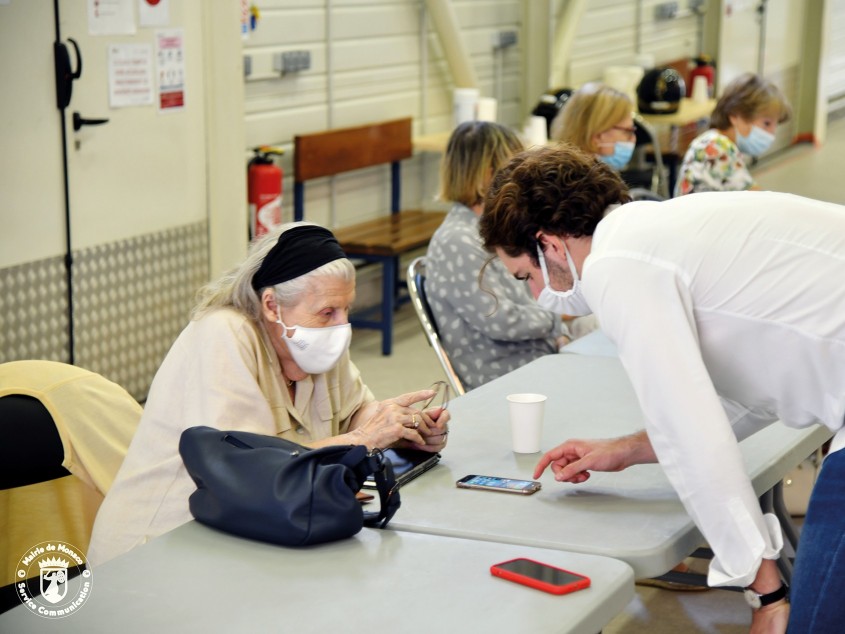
x,y
264,190
705,68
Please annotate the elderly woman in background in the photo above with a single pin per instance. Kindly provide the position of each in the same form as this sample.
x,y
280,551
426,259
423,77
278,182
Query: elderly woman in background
x,y
744,121
487,331
599,120
266,351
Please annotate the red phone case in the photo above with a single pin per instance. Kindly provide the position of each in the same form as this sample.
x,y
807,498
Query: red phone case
x,y
579,584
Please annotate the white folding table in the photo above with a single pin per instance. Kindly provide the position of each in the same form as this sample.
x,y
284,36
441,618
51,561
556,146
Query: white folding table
x,y
633,515
196,579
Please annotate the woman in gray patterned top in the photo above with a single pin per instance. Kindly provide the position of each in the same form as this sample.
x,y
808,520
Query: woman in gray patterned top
x,y
491,331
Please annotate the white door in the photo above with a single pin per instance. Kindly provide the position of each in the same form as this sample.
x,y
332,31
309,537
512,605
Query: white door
x,y
143,171
137,186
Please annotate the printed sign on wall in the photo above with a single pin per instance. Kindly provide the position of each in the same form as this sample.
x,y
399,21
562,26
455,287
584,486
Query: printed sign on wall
x,y
154,12
111,17
170,66
130,75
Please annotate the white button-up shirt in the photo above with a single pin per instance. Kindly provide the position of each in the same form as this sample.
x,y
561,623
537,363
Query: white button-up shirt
x,y
728,310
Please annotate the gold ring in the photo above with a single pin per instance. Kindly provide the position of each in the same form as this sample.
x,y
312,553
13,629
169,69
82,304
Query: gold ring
x,y
415,421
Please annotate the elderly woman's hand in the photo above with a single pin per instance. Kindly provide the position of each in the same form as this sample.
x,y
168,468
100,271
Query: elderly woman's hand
x,y
386,423
435,430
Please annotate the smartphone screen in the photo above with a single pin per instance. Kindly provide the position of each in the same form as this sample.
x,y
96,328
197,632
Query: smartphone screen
x,y
493,483
541,576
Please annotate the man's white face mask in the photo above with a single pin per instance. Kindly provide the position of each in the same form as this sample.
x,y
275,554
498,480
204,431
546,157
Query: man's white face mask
x,y
316,350
569,302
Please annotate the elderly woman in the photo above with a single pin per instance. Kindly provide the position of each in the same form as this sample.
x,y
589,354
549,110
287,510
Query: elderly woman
x,y
599,120
491,331
266,351
744,121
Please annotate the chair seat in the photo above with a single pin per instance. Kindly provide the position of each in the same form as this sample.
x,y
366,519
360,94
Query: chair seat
x,y
390,236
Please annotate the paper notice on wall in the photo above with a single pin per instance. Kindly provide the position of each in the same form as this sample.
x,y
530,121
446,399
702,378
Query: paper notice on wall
x,y
154,12
245,19
170,68
130,75
111,17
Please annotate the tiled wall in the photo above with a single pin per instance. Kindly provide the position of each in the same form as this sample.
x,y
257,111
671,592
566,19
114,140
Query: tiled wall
x,y
131,300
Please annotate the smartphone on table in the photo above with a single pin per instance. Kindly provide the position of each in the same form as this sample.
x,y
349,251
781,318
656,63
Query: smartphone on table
x,y
493,483
540,576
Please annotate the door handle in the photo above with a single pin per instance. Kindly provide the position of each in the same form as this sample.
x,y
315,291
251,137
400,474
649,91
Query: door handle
x,y
78,121
64,75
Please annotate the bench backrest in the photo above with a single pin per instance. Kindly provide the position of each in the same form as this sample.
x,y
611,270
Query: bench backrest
x,y
346,149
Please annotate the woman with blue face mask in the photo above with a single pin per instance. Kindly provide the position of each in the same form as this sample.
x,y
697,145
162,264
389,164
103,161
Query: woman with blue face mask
x,y
598,119
743,124
266,351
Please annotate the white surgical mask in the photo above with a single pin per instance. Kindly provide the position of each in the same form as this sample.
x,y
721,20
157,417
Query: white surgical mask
x,y
316,350
569,302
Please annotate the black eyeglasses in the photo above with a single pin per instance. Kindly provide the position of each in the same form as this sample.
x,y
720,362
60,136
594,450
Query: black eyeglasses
x,y
441,396
631,132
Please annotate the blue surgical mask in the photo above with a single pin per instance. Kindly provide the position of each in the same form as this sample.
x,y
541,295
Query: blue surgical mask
x,y
757,141
622,153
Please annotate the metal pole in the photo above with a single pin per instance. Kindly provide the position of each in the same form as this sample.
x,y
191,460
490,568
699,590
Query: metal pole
x,y
69,251
761,48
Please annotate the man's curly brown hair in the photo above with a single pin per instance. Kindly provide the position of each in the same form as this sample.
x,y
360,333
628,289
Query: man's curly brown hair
x,y
559,190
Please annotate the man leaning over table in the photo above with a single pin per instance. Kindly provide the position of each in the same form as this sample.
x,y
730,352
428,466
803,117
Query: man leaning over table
x,y
728,311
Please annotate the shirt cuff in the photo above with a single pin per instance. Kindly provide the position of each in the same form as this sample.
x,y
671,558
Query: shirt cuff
x,y
721,575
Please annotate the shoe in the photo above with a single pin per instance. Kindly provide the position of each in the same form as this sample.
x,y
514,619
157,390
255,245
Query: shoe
x,y
671,585
675,586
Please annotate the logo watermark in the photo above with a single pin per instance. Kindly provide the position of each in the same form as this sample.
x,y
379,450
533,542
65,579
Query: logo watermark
x,y
53,579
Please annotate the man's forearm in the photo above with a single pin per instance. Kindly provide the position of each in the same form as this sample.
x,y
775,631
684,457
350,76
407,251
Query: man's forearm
x,y
641,451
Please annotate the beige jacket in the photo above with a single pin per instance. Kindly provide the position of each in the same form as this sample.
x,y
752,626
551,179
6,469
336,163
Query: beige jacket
x,y
221,372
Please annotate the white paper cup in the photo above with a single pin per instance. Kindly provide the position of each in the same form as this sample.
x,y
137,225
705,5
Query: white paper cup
x,y
526,416
700,91
625,79
465,104
487,109
536,131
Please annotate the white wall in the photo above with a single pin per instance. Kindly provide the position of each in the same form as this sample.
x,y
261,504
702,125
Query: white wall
x,y
834,71
381,59
614,32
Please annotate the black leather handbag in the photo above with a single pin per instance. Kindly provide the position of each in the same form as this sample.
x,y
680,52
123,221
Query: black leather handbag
x,y
274,490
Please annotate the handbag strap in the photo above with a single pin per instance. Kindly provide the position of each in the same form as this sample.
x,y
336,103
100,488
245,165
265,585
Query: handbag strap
x,y
388,491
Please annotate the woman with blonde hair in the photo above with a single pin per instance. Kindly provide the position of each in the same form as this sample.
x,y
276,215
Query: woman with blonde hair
x,y
491,331
744,121
599,120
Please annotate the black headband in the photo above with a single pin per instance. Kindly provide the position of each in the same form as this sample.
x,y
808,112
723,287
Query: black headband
x,y
298,251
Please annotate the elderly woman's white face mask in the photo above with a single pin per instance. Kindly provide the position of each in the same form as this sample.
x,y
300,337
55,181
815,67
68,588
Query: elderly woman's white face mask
x,y
316,350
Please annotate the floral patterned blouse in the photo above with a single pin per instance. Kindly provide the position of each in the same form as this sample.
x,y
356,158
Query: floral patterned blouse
x,y
712,163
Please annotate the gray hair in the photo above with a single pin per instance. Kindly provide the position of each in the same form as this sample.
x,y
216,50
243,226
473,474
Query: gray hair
x,y
235,290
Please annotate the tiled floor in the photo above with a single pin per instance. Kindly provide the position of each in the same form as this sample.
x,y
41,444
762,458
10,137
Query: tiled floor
x,y
804,170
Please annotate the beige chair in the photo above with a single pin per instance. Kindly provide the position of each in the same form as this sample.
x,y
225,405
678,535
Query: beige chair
x,y
419,299
66,431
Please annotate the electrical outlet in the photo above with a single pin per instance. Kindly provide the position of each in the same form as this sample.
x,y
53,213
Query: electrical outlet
x,y
503,39
291,61
666,11
698,6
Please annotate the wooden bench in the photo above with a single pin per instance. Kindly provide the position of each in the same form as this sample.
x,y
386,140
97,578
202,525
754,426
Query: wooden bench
x,y
382,240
